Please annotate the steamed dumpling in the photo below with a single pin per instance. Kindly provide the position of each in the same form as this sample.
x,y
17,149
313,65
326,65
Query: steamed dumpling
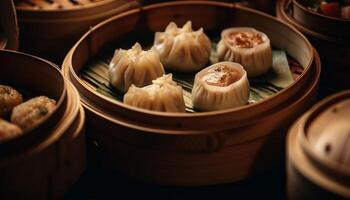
x,y
220,86
9,98
163,95
134,66
247,46
183,49
32,112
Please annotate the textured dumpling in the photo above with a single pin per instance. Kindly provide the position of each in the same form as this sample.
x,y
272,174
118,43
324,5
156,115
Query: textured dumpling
x,y
183,49
247,46
220,86
163,95
9,98
31,112
8,130
134,66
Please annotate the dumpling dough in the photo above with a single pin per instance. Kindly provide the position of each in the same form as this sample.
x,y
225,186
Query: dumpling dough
x,y
247,46
220,86
163,95
183,49
134,66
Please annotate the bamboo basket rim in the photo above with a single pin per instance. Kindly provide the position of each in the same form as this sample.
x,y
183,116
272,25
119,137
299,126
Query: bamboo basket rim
x,y
330,164
192,3
8,25
3,39
59,102
333,19
88,6
72,111
283,5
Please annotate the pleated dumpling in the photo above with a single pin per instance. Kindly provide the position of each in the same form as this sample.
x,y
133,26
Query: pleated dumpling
x,y
134,66
183,49
247,46
163,95
220,86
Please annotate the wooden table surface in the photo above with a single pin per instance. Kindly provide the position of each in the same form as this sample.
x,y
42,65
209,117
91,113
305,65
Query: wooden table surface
x,y
101,184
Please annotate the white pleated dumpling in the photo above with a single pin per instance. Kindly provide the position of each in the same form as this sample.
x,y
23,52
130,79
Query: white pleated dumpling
x,y
220,86
183,49
163,95
134,66
247,46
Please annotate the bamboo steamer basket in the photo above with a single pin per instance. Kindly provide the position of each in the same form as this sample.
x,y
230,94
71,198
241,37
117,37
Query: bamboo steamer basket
x,y
192,149
50,28
328,35
263,5
8,26
44,162
319,153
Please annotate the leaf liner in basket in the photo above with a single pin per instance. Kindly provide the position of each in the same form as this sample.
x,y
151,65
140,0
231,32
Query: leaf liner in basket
x,y
283,73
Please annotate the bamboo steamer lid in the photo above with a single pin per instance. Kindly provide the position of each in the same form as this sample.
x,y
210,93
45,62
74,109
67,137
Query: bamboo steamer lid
x,y
319,151
8,25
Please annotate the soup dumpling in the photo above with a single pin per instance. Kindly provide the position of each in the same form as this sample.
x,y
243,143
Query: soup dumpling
x,y
220,86
134,66
163,95
247,46
183,49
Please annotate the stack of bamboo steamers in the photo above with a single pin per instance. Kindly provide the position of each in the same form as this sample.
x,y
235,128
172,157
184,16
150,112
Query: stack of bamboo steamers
x,y
174,149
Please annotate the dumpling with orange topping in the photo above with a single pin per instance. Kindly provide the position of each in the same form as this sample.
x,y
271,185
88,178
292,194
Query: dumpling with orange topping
x,y
247,46
220,86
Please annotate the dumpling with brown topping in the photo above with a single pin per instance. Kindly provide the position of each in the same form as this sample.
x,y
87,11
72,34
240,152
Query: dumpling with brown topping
x,y
32,112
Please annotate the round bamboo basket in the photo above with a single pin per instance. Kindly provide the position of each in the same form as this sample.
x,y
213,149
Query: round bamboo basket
x,y
50,28
8,26
267,6
328,35
197,148
46,160
318,151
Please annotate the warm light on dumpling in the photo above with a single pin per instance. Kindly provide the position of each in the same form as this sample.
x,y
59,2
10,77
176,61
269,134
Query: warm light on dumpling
x,y
183,49
247,46
163,95
220,86
134,66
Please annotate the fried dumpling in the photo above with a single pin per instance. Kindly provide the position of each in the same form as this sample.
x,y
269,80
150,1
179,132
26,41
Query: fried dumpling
x,y
247,46
8,130
32,112
134,66
9,98
220,86
163,95
183,49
